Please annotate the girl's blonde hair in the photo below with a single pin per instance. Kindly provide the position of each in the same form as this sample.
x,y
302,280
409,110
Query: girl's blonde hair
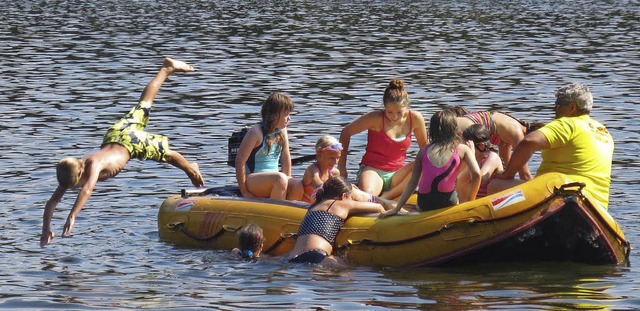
x,y
276,104
395,93
325,141
68,171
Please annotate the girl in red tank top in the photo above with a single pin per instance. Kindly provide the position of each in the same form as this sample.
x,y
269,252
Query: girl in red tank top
x,y
383,170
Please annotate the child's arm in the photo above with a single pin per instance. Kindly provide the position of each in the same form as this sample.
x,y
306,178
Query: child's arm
x,y
469,158
250,141
285,157
360,124
93,170
420,130
49,208
386,203
357,207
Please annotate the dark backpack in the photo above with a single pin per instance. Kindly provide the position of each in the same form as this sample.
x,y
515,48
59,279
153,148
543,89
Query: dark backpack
x,y
234,145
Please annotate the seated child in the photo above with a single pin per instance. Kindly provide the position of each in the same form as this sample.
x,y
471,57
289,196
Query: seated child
x,y
328,152
486,155
251,241
437,168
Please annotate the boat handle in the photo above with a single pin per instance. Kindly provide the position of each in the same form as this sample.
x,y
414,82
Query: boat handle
x,y
173,225
230,228
579,185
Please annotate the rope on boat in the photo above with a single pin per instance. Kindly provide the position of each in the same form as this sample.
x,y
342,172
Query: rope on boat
x,y
227,228
181,226
283,236
397,242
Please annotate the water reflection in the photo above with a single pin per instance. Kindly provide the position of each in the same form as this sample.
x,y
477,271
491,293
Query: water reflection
x,y
545,285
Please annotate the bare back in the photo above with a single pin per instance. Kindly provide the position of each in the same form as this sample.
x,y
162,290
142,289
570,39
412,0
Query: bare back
x,y
508,128
108,161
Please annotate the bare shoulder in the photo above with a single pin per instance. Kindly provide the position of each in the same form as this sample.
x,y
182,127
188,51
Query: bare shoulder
x,y
335,172
255,133
309,172
417,114
464,151
371,116
371,120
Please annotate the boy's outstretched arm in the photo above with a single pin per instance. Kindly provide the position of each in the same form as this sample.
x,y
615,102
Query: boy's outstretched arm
x,y
83,196
49,208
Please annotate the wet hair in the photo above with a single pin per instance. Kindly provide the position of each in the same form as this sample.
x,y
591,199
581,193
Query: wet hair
x,y
276,104
529,126
395,93
443,129
333,188
68,171
478,133
251,238
459,110
578,93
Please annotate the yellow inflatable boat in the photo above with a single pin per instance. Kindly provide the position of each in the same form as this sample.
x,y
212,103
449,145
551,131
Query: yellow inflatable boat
x,y
548,218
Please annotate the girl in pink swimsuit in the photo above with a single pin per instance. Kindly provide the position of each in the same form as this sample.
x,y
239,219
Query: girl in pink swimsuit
x,y
437,166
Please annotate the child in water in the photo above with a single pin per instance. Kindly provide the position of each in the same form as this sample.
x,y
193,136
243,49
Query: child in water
x,y
251,240
437,168
320,226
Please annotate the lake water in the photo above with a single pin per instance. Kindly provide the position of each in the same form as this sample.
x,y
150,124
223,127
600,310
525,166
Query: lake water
x,y
69,69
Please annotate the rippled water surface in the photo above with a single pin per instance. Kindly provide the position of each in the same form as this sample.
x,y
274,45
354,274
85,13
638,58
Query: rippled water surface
x,y
69,69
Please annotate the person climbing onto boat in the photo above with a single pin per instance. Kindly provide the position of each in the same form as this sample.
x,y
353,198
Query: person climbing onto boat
x,y
325,217
486,156
251,240
573,144
328,152
437,167
126,139
266,145
383,170
506,131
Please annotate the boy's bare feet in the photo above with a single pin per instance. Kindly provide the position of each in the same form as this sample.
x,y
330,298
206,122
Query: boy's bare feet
x,y
176,65
195,176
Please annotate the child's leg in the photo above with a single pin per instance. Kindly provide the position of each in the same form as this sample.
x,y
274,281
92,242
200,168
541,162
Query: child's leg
x,y
191,169
369,181
268,185
399,182
295,189
168,67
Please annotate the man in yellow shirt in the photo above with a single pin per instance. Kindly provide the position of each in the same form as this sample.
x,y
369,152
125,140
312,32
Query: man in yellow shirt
x,y
573,144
